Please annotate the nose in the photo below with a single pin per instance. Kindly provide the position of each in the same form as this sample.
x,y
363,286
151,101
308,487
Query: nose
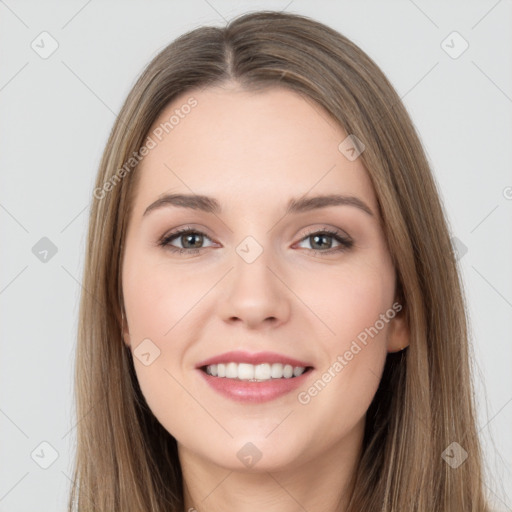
x,y
255,295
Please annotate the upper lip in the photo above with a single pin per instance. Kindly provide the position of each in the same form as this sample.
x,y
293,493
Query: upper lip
x,y
238,356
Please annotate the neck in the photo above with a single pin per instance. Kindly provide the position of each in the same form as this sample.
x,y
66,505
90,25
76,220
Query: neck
x,y
323,484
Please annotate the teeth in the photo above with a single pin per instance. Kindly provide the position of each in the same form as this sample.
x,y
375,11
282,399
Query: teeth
x,y
276,371
258,372
231,370
262,371
297,371
245,371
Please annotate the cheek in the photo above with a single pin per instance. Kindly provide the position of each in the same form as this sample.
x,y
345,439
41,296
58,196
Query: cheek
x,y
349,301
157,298
356,307
157,301
160,305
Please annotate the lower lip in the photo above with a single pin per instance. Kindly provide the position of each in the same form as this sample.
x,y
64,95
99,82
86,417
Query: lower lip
x,y
254,392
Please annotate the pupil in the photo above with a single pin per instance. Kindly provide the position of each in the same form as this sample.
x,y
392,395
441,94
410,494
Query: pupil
x,y
316,237
191,236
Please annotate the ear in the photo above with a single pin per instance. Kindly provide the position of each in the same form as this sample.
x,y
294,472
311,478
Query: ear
x,y
398,332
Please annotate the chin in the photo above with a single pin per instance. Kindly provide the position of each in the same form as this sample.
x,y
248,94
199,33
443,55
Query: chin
x,y
253,454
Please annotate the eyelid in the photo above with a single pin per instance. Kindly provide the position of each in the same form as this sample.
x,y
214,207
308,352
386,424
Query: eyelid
x,y
344,240
312,231
326,229
183,230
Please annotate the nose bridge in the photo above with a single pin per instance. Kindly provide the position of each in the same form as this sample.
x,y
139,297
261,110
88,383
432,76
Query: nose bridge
x,y
254,293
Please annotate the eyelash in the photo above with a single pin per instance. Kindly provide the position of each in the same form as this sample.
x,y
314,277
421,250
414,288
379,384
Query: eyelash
x,y
345,242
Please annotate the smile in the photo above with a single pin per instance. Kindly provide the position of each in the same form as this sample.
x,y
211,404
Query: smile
x,y
254,378
254,373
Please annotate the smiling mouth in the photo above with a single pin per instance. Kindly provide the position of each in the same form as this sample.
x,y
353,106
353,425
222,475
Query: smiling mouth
x,y
255,372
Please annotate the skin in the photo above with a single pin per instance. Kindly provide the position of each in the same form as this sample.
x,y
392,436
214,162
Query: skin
x,y
253,151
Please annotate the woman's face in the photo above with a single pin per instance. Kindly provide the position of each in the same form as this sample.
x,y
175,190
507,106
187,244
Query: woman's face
x,y
271,276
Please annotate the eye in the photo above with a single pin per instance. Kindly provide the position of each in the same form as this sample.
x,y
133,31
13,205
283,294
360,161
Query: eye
x,y
319,245
191,240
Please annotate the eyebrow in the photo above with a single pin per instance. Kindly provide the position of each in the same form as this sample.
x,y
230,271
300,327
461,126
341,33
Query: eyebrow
x,y
295,205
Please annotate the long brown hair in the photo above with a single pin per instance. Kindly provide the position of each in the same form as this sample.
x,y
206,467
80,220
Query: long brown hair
x,y
125,459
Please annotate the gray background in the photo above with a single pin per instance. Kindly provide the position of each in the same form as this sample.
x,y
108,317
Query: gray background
x,y
55,116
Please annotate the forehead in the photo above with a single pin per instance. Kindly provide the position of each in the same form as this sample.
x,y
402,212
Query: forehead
x,y
270,144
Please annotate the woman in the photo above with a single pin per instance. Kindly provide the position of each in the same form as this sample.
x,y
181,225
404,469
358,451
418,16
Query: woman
x,y
255,369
